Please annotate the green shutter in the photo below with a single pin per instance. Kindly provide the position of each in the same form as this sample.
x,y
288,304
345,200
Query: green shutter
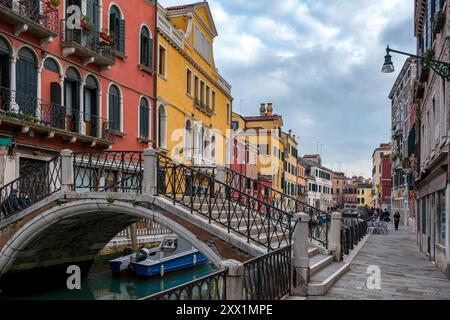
x,y
150,53
122,36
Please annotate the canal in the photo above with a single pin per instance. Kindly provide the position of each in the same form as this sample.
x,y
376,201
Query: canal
x,y
101,285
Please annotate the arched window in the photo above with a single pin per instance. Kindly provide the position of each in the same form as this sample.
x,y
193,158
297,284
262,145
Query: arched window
x,y
188,139
51,65
5,73
146,48
91,116
144,119
162,118
26,82
114,108
72,82
117,28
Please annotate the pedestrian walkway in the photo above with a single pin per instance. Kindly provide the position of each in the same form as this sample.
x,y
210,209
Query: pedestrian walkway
x,y
406,273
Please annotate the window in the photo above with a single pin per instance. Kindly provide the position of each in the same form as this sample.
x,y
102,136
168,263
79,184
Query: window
x,y
26,81
213,101
196,87
117,28
264,149
235,125
114,108
207,97
188,139
202,92
51,65
144,119
213,148
228,113
146,48
162,118
162,61
189,82
72,96
202,45
90,106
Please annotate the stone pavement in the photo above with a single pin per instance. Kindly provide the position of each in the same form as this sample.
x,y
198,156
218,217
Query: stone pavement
x,y
406,273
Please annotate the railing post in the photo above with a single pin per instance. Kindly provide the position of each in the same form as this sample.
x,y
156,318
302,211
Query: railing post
x,y
235,279
67,168
300,263
335,236
149,179
221,176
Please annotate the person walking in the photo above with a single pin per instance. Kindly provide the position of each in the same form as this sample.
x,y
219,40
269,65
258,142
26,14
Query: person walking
x,y
396,219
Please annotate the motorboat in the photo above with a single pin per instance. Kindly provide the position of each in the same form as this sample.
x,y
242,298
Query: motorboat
x,y
172,254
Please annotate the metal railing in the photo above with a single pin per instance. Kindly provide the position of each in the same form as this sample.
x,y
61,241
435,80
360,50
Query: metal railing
x,y
201,193
40,182
108,171
88,40
320,220
351,235
268,277
24,107
210,287
36,11
203,106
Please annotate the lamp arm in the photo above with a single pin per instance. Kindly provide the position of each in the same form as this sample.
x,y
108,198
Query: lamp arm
x,y
440,67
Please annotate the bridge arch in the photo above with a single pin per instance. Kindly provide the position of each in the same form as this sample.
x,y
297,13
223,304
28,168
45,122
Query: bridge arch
x,y
80,229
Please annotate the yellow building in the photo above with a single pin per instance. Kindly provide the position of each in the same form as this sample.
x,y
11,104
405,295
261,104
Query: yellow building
x,y
364,195
194,101
265,132
290,159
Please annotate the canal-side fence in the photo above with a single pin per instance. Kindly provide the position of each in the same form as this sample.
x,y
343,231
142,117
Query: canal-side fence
x,y
353,233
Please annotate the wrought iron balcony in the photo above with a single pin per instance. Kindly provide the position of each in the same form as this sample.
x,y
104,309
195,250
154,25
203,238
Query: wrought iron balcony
x,y
438,21
38,17
87,44
203,107
30,113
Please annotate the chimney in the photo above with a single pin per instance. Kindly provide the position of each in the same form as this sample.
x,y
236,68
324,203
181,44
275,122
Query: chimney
x,y
269,109
290,132
262,110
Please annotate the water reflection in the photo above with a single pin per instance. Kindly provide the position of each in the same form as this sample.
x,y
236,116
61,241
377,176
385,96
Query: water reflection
x,y
106,287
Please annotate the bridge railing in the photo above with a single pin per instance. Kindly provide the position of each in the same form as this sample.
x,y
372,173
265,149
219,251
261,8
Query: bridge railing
x,y
39,182
268,277
108,171
201,193
210,287
320,220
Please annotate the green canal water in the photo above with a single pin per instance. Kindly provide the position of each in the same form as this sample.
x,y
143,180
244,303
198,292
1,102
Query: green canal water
x,y
103,286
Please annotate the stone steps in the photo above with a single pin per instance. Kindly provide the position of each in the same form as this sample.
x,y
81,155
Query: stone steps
x,y
324,279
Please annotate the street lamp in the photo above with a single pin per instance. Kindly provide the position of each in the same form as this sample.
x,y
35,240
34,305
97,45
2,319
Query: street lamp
x,y
440,67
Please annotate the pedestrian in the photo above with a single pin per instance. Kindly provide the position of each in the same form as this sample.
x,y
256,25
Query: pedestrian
x,y
396,219
386,215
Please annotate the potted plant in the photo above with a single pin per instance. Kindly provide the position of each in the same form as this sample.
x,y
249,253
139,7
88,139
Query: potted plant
x,y
86,22
54,3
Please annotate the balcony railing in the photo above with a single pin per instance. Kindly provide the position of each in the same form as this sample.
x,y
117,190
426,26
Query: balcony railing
x,y
40,16
88,44
28,110
203,107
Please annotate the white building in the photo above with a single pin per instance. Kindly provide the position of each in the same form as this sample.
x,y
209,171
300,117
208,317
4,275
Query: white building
x,y
320,182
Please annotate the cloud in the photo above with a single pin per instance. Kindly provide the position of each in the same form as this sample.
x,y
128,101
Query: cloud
x,y
319,62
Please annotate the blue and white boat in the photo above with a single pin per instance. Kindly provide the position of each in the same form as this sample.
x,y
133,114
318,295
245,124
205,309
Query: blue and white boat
x,y
172,254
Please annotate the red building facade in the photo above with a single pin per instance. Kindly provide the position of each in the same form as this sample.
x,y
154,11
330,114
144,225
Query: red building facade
x,y
69,85
386,181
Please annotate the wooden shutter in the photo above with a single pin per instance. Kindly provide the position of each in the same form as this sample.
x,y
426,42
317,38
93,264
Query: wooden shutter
x,y
122,36
150,53
58,112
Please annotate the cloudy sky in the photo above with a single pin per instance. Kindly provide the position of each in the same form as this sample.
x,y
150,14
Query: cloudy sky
x,y
318,62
